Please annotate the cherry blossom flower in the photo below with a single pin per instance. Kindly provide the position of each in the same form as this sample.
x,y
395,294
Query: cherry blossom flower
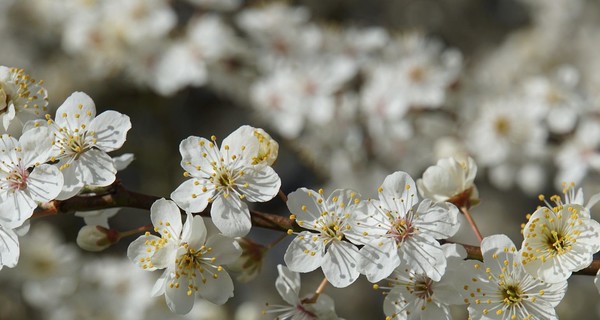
x,y
192,258
500,288
21,99
330,222
225,177
415,296
451,180
24,180
399,228
560,239
288,286
81,143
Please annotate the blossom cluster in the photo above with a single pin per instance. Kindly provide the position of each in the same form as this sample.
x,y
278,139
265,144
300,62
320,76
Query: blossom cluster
x,y
357,104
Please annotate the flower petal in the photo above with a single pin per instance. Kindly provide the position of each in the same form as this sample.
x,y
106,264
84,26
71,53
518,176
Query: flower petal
x,y
341,264
78,109
259,183
9,247
231,216
190,195
44,183
140,253
225,249
379,259
216,290
306,204
166,218
305,253
111,129
288,284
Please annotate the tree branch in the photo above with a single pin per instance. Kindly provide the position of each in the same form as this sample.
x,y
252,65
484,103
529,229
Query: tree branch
x,y
118,196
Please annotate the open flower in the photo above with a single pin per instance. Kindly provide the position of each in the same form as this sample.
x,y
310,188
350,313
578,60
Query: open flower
x,y
500,288
225,177
399,228
416,296
82,140
331,223
24,180
193,259
288,286
560,239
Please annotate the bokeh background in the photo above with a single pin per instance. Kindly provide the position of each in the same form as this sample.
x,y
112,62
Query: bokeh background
x,y
352,90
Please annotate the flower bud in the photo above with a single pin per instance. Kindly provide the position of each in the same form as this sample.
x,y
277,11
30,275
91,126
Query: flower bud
x,y
450,180
249,264
96,238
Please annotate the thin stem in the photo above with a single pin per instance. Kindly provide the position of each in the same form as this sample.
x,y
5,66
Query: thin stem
x,y
318,292
465,211
277,241
127,233
282,196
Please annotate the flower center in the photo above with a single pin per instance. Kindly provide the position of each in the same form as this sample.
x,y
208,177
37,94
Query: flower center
x,y
401,229
422,287
17,179
194,264
417,74
558,243
512,295
225,180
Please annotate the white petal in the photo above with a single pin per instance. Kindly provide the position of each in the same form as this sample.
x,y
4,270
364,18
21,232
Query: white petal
x,y
35,146
44,183
16,208
111,130
177,297
242,143
166,218
164,257
231,216
9,247
424,255
305,254
194,231
139,254
72,182
304,203
396,187
161,284
123,161
95,168
439,220
341,264
224,248
217,290
197,155
288,284
78,109
190,197
379,259
263,183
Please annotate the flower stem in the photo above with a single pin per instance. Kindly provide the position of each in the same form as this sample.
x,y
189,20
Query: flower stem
x,y
282,196
277,241
135,231
318,292
465,211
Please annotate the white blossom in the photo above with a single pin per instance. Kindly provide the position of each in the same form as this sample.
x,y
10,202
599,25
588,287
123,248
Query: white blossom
x,y
500,288
224,177
330,222
288,286
193,260
81,142
416,296
560,239
399,228
25,181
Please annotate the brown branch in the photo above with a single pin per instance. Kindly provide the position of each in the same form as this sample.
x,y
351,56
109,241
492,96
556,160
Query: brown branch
x,y
118,196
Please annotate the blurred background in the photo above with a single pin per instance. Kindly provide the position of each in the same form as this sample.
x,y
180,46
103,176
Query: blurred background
x,y
352,90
